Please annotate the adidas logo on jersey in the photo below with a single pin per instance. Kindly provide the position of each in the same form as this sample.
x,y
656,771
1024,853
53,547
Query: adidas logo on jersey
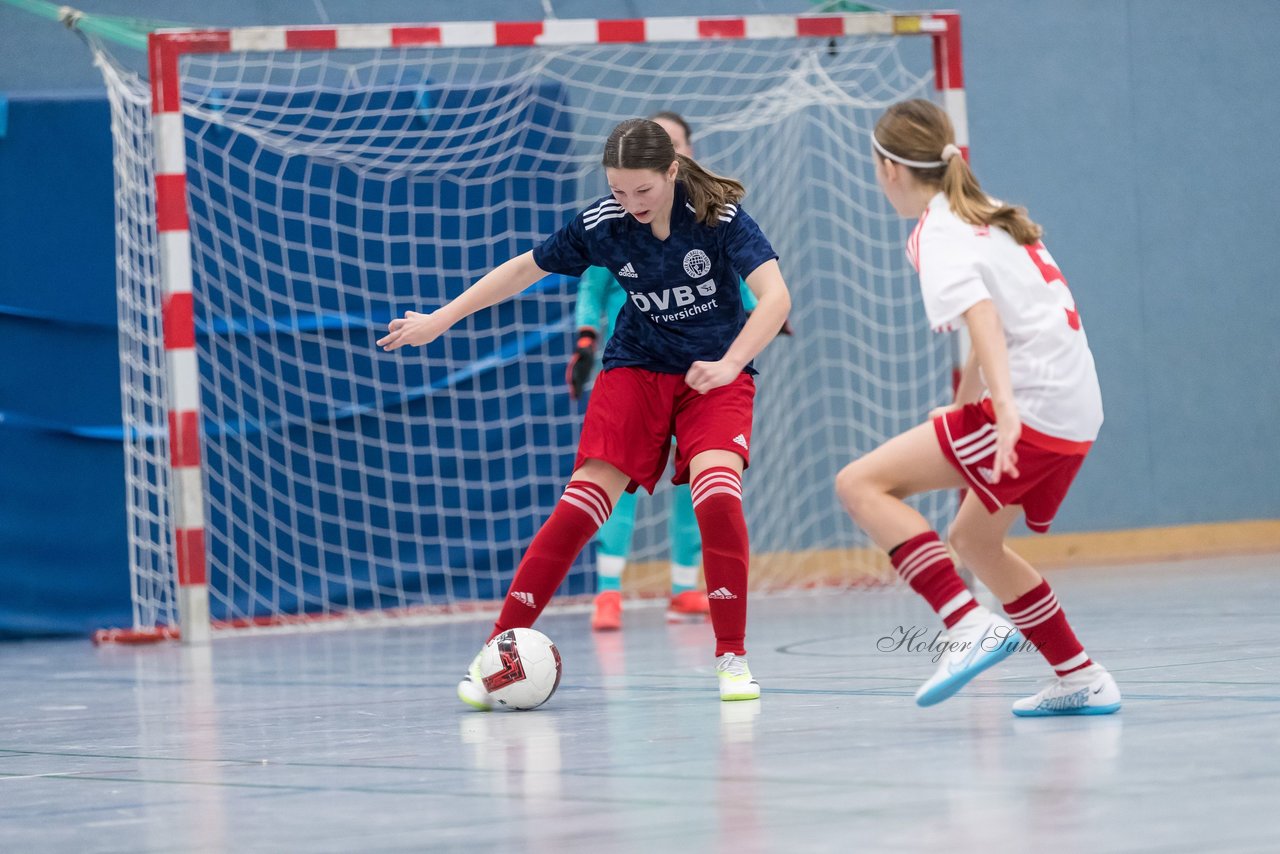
x,y
721,593
628,271
523,598
741,440
987,474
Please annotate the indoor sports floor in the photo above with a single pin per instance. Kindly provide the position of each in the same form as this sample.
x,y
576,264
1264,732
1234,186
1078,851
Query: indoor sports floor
x,y
353,741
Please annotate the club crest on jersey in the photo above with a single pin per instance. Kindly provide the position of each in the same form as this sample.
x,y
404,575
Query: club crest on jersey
x,y
697,264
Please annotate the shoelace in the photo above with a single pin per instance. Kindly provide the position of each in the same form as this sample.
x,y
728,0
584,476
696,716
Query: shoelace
x,y
1049,684
733,665
1071,682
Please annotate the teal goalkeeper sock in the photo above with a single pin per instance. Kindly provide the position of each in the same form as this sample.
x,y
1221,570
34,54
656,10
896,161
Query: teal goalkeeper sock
x,y
615,534
686,538
683,577
609,572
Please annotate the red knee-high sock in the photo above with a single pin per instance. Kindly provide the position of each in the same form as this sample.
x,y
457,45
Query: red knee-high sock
x,y
1040,618
717,502
924,563
579,513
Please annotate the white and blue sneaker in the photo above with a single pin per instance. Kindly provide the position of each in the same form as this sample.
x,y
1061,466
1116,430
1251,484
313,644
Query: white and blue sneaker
x,y
735,678
1091,691
471,690
980,640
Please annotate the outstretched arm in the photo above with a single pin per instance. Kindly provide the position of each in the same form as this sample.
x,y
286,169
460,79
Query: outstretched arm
x,y
987,336
762,326
505,280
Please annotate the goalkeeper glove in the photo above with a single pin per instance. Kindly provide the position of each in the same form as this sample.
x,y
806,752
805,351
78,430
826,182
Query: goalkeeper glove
x,y
581,363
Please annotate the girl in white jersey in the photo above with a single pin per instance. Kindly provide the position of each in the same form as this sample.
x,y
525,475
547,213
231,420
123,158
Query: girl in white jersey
x,y
1027,410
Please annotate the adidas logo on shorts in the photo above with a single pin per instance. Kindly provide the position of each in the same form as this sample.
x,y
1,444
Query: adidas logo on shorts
x,y
628,271
523,598
721,593
741,440
987,474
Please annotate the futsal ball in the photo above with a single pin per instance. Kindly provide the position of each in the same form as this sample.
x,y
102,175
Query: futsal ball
x,y
520,668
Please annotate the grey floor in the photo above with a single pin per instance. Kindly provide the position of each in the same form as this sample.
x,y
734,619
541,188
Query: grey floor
x,y
352,741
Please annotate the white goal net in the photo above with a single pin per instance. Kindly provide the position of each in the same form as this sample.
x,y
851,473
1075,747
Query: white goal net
x,y
330,190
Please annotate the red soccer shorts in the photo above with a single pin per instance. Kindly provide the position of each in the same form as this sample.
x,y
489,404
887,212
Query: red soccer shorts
x,y
1046,464
633,414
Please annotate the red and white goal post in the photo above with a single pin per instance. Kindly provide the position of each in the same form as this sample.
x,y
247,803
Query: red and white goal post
x,y
282,192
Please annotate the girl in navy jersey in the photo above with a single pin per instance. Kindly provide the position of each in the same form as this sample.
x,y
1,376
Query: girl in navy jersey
x,y
1027,410
678,364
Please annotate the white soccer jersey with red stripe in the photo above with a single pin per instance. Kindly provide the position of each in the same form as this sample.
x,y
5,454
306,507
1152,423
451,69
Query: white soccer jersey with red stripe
x,y
1055,385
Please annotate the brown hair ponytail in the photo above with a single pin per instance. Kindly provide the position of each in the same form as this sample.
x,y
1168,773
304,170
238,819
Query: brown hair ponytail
x,y
642,144
919,131
708,192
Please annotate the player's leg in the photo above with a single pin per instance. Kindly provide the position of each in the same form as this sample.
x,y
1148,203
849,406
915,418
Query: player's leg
x,y
625,442
613,545
978,538
687,601
1082,687
713,440
872,487
872,490
716,478
577,516
585,505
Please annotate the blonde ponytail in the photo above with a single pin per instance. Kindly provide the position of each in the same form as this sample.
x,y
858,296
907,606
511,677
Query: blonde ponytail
x,y
918,134
967,200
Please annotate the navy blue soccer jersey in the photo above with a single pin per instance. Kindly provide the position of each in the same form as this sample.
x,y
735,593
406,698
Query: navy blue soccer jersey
x,y
683,300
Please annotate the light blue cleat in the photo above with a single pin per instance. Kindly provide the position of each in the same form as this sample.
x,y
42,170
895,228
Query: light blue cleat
x,y
978,641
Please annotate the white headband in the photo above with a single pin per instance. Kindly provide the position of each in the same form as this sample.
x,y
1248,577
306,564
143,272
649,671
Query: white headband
x,y
949,151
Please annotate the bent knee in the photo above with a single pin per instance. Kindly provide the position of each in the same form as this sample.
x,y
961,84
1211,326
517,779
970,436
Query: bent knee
x,y
854,487
848,481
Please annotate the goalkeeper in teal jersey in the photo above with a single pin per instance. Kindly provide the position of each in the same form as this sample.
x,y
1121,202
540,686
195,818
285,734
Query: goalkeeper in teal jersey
x,y
600,298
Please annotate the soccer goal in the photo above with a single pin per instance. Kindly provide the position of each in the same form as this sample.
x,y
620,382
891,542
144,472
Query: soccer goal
x,y
283,192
